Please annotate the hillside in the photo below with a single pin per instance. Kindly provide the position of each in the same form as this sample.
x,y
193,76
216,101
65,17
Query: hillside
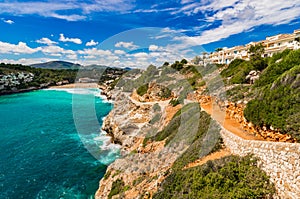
x,y
161,129
56,65
274,98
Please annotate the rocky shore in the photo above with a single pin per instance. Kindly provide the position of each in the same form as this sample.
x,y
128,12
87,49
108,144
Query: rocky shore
x,y
143,166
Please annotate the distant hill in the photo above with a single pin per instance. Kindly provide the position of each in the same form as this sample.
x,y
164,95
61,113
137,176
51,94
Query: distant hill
x,y
57,65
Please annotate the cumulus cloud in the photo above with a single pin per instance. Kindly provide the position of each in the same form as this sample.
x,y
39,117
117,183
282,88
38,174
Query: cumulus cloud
x,y
20,48
66,39
92,43
45,40
127,45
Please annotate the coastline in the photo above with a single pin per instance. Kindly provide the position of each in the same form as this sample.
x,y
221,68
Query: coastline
x,y
19,91
72,85
77,85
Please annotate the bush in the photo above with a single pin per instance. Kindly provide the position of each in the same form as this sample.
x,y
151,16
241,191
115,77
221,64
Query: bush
x,y
278,104
229,177
116,188
174,102
142,90
165,93
290,59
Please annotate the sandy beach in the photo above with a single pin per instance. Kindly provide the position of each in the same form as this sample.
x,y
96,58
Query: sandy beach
x,y
78,85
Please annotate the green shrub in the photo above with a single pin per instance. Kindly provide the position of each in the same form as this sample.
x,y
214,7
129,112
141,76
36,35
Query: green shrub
x,y
174,102
156,107
106,175
165,93
142,90
290,59
229,177
278,104
155,119
117,188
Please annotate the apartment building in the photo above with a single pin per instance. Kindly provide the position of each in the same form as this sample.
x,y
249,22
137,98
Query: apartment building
x,y
273,44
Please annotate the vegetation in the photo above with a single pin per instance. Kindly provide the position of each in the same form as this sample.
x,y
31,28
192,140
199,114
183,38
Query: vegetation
x,y
275,95
192,126
142,90
278,104
237,71
117,187
106,175
165,93
179,65
174,102
155,119
41,76
156,107
171,129
256,59
277,66
229,177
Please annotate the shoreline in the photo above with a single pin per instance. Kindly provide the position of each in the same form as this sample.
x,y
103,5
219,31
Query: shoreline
x,y
72,85
77,85
25,90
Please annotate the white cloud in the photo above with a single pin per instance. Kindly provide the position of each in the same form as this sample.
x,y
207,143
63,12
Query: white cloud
x,y
239,16
66,39
127,45
72,56
153,47
20,48
72,17
91,43
8,21
45,40
53,8
120,52
27,61
95,52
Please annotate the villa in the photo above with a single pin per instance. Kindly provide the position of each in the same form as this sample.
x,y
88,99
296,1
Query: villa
x,y
272,45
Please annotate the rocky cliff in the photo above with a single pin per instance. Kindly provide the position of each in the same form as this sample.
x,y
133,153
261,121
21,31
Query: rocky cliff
x,y
143,166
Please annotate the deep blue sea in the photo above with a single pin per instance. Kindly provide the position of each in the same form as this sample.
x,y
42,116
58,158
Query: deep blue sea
x,y
51,145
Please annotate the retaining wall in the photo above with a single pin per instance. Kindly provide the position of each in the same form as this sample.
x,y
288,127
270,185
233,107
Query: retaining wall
x,y
281,161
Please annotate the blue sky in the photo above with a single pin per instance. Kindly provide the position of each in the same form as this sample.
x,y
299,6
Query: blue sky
x,y
135,33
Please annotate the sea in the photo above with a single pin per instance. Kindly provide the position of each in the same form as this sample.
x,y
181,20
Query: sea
x,y
51,144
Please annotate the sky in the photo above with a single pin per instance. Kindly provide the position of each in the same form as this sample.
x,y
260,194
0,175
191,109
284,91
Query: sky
x,y
135,33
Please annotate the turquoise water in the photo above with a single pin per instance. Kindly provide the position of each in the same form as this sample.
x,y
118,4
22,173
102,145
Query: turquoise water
x,y
51,145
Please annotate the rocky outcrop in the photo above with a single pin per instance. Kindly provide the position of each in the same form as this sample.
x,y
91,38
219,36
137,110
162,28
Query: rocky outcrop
x,y
143,166
155,92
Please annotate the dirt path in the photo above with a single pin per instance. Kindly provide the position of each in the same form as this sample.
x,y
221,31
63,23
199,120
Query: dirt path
x,y
228,123
213,156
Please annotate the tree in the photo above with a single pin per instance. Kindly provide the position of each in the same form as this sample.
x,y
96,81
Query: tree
x,y
184,61
256,58
256,51
166,64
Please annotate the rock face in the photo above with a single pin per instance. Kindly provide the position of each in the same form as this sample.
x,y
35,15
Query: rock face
x,y
142,167
155,92
253,76
281,161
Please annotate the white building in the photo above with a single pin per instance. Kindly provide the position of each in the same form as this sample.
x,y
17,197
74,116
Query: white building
x,y
273,44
